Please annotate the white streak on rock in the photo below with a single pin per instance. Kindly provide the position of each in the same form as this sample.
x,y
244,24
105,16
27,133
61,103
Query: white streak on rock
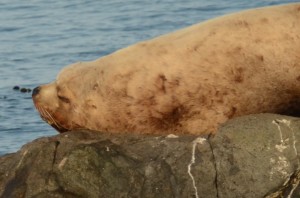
x,y
279,166
282,146
199,140
62,163
288,124
293,189
22,158
171,136
276,122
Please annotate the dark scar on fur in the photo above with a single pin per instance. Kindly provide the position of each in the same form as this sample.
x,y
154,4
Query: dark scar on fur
x,y
170,119
163,79
231,113
239,75
95,87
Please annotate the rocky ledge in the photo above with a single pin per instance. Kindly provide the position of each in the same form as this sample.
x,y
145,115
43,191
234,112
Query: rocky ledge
x,y
252,156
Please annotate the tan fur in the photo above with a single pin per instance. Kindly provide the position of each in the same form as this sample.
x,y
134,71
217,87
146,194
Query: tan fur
x,y
189,81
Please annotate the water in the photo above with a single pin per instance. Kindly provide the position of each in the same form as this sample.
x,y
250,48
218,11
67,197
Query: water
x,y
38,38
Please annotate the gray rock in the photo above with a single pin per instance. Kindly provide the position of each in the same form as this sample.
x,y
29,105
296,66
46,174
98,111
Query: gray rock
x,y
256,154
251,156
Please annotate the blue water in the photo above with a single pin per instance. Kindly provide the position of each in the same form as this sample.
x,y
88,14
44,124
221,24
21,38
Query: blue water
x,y
38,38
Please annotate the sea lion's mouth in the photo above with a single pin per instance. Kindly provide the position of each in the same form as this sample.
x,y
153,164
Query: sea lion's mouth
x,y
47,117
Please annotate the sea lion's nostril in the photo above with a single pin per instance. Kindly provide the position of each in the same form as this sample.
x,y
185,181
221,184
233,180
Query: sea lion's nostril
x,y
35,91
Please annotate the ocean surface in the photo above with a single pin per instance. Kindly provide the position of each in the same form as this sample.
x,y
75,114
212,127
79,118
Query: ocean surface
x,y
38,38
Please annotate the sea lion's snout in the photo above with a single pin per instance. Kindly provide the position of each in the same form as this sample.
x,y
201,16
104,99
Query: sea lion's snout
x,y
35,91
46,102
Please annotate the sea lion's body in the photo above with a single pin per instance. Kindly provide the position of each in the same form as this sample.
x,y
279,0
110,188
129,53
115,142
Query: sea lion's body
x,y
189,81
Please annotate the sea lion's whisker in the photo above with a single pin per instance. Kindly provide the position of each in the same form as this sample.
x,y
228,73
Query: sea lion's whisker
x,y
47,116
50,117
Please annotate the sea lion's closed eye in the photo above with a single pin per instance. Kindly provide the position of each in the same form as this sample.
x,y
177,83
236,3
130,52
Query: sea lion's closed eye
x,y
64,99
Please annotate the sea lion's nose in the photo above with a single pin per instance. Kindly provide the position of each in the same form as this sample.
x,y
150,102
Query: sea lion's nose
x,y
35,91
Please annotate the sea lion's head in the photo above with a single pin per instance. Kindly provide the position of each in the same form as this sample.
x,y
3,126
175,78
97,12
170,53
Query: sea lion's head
x,y
65,102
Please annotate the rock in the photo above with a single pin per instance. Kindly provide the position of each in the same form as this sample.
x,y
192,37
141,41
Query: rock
x,y
256,154
25,90
16,88
251,156
22,90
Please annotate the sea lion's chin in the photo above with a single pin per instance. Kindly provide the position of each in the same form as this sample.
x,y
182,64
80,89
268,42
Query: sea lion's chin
x,y
52,119
56,124
60,128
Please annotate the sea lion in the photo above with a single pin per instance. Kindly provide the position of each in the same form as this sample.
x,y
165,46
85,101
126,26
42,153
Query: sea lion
x,y
186,82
